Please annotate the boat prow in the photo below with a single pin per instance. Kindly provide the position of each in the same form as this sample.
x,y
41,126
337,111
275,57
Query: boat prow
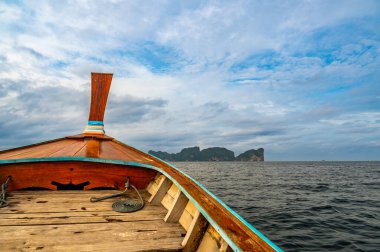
x,y
51,185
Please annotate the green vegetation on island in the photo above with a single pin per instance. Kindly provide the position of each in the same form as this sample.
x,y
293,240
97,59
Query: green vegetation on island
x,y
209,154
251,155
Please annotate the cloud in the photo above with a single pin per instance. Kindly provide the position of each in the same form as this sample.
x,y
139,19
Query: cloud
x,y
298,78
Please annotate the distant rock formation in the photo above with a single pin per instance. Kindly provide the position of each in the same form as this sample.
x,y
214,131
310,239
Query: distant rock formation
x,y
209,154
163,155
188,154
251,155
217,154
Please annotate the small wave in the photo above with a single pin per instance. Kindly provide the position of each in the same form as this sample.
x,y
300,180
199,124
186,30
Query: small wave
x,y
324,208
311,188
330,207
340,201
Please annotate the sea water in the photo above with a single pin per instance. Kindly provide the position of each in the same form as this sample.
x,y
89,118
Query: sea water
x,y
301,206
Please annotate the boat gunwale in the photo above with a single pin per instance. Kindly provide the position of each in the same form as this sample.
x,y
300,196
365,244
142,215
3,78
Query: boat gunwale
x,y
230,242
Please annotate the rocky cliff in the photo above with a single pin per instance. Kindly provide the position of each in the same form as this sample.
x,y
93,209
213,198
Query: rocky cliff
x,y
251,155
217,154
209,154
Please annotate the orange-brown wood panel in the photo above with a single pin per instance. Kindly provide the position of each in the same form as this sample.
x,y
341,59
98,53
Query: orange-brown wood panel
x,y
69,150
100,86
42,174
93,148
42,150
125,153
108,151
117,150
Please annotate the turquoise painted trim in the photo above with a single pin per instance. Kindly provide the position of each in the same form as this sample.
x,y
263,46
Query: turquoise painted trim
x,y
221,232
97,123
233,246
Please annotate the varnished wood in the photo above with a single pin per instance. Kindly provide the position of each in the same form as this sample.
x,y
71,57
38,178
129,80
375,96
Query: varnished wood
x,y
44,149
93,148
163,187
100,86
195,233
82,136
26,175
177,208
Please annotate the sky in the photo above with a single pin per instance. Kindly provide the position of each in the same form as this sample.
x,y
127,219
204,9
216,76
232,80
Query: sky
x,y
299,78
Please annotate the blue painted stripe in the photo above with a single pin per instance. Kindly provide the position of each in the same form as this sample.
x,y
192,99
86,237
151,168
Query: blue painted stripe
x,y
99,123
233,246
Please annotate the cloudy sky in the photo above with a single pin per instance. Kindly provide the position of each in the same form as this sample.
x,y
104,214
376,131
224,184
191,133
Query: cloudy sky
x,y
299,78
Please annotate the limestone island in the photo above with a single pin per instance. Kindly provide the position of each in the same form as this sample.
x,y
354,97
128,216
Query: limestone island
x,y
209,154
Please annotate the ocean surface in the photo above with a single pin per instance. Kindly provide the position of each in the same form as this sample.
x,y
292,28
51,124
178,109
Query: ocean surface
x,y
301,206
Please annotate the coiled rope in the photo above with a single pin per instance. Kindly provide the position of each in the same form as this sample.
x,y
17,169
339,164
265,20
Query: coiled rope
x,y
3,194
124,206
130,205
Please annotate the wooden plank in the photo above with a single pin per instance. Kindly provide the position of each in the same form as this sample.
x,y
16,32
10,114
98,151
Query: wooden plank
x,y
63,201
147,234
43,150
62,193
208,244
177,208
188,215
153,185
195,233
167,201
191,208
50,218
212,242
131,155
173,190
69,150
149,187
185,220
163,187
224,247
111,150
164,244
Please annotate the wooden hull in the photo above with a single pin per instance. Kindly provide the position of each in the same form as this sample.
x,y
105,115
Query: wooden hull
x,y
209,224
45,175
190,218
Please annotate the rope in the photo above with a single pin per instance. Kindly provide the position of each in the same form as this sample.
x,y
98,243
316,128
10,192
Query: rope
x,y
95,199
124,206
129,206
3,195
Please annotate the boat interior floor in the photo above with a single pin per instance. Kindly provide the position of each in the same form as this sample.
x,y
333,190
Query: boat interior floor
x,y
68,221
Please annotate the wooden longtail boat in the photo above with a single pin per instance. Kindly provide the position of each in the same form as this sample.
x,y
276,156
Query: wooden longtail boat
x,y
45,200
